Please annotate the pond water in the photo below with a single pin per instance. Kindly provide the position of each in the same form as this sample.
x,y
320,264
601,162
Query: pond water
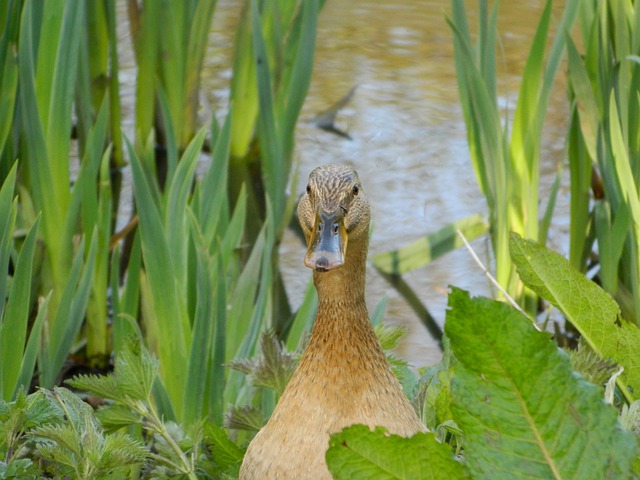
x,y
408,139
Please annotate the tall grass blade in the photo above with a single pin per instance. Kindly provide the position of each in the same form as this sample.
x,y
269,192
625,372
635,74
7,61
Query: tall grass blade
x,y
299,54
303,320
125,300
506,161
7,222
70,314
199,366
14,326
145,34
275,176
32,348
629,193
8,92
198,33
167,308
217,381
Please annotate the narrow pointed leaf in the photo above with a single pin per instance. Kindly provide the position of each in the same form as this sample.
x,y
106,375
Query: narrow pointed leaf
x,y
13,329
428,248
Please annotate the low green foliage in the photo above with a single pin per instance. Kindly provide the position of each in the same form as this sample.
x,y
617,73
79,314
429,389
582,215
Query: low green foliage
x,y
62,431
198,284
273,368
432,399
78,447
172,450
359,453
506,401
522,410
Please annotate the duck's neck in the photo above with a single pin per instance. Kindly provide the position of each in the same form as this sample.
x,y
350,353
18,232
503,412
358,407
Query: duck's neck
x,y
342,322
345,285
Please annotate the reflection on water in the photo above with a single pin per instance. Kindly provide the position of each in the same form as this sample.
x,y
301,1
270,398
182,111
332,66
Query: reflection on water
x,y
409,141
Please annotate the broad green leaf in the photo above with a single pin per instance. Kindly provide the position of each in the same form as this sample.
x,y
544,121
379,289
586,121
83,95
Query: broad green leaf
x,y
524,413
115,417
226,454
428,248
592,311
359,453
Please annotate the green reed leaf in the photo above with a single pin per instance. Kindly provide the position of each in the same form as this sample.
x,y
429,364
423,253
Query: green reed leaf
x,y
8,213
199,366
428,248
14,327
168,311
71,311
8,95
33,346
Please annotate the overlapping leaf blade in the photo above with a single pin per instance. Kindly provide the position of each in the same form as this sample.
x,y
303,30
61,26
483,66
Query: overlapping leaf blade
x,y
592,311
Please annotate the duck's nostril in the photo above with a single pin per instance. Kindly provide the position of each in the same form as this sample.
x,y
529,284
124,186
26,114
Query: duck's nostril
x,y
322,264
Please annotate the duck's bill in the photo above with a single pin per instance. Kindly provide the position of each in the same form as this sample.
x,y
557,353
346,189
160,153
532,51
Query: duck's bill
x,y
328,243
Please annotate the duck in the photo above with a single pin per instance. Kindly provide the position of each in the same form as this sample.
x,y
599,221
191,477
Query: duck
x,y
343,377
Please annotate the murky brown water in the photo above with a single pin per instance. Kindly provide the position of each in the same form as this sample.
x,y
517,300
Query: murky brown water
x,y
408,136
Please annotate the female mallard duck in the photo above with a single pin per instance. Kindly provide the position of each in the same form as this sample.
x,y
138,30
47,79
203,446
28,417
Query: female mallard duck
x,y
343,377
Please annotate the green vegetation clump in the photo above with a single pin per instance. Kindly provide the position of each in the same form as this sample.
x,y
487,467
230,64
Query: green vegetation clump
x,y
157,350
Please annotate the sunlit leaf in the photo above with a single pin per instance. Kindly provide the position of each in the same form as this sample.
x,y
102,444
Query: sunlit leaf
x,y
523,412
359,453
589,309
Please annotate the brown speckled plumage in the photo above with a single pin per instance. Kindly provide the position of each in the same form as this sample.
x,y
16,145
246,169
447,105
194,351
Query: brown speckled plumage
x,y
343,377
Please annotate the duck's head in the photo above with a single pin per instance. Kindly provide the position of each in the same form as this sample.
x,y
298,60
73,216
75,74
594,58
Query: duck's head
x,y
333,212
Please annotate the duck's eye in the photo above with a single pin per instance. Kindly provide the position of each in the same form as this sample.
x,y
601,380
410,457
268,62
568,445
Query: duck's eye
x,y
355,190
308,188
336,228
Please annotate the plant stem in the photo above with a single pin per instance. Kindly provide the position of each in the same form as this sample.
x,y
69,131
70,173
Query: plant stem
x,y
155,424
